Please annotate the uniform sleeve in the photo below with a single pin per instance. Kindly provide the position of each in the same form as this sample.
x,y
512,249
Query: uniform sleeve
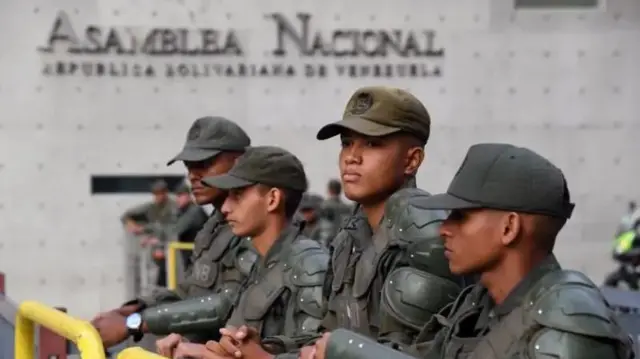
x,y
411,295
557,344
137,213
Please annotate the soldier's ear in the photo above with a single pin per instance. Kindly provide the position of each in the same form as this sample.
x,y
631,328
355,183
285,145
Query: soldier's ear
x,y
511,227
415,156
275,199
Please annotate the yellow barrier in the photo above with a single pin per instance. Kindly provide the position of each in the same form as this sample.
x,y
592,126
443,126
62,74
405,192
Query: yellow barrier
x,y
172,265
82,333
138,353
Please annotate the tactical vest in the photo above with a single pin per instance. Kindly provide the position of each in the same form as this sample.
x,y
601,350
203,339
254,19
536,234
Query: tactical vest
x,y
269,301
359,275
221,260
541,307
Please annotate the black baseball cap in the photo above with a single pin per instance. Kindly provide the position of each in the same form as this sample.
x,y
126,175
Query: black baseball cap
x,y
208,136
267,165
506,177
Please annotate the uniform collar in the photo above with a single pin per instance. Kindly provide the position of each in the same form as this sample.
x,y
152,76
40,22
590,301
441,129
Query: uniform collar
x,y
516,296
283,243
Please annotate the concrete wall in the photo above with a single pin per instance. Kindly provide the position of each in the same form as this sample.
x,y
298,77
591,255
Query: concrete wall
x,y
564,82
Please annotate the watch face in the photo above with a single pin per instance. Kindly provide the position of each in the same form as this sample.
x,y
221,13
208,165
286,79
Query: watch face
x,y
134,321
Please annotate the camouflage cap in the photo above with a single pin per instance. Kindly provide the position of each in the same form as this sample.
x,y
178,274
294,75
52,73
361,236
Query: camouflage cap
x,y
267,165
380,111
208,136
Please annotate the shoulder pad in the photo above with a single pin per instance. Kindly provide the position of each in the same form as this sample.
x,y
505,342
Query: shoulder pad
x,y
309,262
552,343
569,302
412,296
409,220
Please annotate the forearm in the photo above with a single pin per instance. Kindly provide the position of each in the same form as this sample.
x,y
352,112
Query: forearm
x,y
191,316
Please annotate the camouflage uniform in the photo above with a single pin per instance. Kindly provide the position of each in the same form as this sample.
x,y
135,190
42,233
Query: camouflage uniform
x,y
551,313
153,216
388,283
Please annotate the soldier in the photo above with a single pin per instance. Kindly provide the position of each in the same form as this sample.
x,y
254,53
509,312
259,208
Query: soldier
x,y
221,261
316,227
333,208
160,211
284,292
388,273
507,206
191,218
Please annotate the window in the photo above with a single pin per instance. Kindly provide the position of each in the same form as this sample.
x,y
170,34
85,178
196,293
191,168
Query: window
x,y
130,184
555,4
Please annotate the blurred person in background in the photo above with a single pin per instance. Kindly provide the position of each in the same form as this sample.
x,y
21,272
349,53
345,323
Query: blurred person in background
x,y
159,212
334,208
191,218
316,226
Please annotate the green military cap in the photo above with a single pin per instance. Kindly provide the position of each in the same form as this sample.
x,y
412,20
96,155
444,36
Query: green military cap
x,y
506,177
208,136
310,201
159,186
182,188
267,165
380,111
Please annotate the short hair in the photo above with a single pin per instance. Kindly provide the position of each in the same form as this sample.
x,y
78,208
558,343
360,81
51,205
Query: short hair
x,y
335,186
545,231
292,200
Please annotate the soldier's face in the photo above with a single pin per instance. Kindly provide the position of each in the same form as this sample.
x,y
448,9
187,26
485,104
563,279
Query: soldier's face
x,y
183,199
246,210
160,197
472,240
308,214
371,168
218,165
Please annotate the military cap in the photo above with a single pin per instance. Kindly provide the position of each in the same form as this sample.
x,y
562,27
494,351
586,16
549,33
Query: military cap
x,y
159,186
208,136
310,201
267,165
380,111
182,188
505,177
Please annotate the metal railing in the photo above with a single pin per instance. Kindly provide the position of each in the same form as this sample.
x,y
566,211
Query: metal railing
x,y
174,267
80,332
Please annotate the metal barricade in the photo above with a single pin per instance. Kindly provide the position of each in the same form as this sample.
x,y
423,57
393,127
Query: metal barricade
x,y
175,270
140,267
80,332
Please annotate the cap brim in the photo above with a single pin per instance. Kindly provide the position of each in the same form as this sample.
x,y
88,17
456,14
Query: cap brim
x,y
226,182
355,124
447,201
193,155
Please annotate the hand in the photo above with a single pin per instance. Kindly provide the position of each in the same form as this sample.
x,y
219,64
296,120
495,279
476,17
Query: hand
x,y
307,352
158,254
243,342
321,346
168,344
194,351
112,328
133,227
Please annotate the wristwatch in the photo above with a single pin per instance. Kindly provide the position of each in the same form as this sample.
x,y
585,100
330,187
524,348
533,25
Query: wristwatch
x,y
134,326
